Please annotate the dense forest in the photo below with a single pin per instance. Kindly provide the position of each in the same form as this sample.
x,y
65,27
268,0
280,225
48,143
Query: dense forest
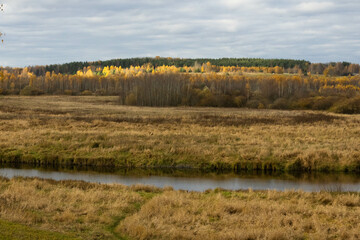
x,y
334,87
290,66
71,68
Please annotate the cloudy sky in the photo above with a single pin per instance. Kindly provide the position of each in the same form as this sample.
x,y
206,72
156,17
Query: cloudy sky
x,y
58,31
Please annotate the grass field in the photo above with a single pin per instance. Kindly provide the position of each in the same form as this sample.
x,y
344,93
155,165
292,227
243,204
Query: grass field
x,y
10,231
46,209
89,130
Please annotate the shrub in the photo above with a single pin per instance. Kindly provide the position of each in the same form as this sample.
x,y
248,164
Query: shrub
x,y
255,103
130,99
280,103
86,93
348,106
100,92
3,91
261,106
304,103
324,103
30,91
240,101
69,92
207,98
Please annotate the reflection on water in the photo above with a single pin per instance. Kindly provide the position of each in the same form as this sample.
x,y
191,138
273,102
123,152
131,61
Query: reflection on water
x,y
193,180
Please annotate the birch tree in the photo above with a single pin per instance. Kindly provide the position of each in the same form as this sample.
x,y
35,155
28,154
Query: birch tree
x,y
1,33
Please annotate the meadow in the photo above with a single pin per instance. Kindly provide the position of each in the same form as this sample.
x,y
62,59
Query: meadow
x,y
97,131
46,209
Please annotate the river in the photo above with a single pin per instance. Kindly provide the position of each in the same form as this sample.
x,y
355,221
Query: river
x,y
193,180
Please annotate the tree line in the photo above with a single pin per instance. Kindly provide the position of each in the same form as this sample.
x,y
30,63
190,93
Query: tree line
x,y
288,65
202,85
73,67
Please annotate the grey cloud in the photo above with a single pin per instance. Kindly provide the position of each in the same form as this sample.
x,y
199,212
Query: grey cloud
x,y
46,32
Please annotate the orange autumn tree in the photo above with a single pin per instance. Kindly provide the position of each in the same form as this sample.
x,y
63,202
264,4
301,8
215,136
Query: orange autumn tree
x,y
197,85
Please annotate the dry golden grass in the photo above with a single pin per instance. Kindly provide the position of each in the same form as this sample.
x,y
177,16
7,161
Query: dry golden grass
x,y
97,131
94,211
84,210
246,215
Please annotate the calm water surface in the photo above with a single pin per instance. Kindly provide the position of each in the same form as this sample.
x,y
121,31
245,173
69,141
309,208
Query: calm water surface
x,y
195,180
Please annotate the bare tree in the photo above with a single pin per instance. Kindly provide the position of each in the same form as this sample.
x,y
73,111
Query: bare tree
x,y
2,34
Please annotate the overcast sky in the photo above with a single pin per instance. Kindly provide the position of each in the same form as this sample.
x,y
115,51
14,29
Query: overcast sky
x,y
58,31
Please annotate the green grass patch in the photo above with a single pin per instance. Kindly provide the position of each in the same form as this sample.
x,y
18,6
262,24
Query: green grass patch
x,y
9,231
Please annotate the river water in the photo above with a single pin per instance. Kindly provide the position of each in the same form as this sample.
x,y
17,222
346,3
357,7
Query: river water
x,y
195,180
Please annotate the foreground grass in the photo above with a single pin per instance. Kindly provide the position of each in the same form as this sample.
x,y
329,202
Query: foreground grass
x,y
63,130
72,209
246,215
12,231
83,210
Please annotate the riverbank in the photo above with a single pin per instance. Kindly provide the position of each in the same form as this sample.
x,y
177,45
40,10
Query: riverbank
x,y
95,131
73,209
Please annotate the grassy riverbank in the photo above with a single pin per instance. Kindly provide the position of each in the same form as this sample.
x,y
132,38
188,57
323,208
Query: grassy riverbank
x,y
78,210
89,130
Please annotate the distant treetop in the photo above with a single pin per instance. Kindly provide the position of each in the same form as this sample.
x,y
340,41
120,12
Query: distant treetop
x,y
73,67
